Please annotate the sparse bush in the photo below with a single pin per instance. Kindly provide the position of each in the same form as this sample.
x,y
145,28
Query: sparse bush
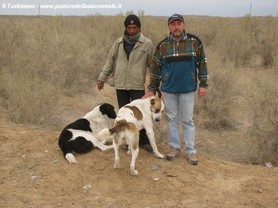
x,y
265,119
214,109
267,54
27,98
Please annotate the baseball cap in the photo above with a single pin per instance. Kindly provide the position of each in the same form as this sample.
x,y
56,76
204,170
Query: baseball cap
x,y
175,17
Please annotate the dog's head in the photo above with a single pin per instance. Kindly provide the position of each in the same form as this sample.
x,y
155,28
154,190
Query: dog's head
x,y
157,107
108,110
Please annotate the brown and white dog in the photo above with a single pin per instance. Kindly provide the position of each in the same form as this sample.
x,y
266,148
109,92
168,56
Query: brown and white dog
x,y
130,119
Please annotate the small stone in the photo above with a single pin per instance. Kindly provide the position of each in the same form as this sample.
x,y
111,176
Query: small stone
x,y
154,167
88,186
156,179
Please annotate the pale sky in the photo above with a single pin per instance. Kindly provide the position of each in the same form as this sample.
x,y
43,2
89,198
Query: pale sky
x,y
224,8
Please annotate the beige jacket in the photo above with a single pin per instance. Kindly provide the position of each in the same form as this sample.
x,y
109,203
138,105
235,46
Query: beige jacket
x,y
129,75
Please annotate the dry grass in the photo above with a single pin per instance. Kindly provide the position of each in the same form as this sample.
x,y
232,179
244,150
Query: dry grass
x,y
44,60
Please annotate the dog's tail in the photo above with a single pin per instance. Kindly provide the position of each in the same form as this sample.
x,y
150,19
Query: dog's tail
x,y
119,126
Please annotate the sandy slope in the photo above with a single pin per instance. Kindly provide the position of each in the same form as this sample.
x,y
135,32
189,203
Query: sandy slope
x,y
34,174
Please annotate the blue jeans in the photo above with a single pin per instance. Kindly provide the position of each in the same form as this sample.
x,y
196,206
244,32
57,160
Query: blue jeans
x,y
180,106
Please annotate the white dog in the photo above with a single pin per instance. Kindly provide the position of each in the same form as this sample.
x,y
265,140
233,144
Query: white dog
x,y
79,136
130,120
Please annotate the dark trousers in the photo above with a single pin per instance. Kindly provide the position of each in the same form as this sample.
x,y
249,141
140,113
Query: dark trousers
x,y
126,96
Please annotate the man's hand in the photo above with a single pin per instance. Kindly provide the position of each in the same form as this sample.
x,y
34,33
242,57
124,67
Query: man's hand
x,y
100,85
148,94
202,91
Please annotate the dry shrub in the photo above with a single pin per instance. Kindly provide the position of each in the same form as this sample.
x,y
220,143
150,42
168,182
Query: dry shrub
x,y
265,119
44,57
63,53
27,98
249,42
214,110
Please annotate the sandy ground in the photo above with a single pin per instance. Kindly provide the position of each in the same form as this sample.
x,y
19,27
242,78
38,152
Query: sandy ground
x,y
35,174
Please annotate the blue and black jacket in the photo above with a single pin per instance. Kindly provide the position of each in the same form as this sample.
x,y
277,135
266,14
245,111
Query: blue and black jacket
x,y
179,66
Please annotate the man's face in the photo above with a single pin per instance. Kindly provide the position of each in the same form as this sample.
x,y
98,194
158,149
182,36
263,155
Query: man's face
x,y
132,29
176,27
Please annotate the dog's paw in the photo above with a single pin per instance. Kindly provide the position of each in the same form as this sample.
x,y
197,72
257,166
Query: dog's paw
x,y
107,147
158,155
116,164
128,152
133,171
70,157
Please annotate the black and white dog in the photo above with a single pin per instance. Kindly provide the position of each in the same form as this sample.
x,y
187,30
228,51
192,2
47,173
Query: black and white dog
x,y
80,136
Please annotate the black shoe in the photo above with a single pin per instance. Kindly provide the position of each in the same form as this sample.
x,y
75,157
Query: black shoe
x,y
147,147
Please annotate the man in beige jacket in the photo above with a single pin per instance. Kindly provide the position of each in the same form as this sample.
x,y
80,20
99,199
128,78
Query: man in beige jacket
x,y
129,59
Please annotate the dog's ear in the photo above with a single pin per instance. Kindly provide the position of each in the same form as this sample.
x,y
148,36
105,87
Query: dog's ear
x,y
152,101
159,95
155,104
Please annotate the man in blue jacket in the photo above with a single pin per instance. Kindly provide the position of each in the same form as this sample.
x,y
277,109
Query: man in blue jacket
x,y
179,68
